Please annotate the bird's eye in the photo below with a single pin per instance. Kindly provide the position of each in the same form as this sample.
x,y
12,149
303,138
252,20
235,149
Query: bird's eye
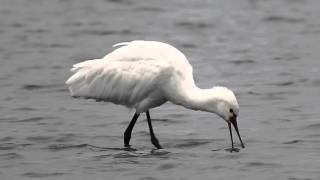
x,y
231,111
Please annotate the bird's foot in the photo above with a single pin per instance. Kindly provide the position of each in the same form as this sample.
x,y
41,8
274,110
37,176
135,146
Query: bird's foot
x,y
159,152
156,143
158,146
233,149
128,147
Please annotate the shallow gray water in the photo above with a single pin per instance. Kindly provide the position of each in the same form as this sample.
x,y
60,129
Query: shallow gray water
x,y
267,51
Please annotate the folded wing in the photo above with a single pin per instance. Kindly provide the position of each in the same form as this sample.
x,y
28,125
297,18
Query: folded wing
x,y
124,81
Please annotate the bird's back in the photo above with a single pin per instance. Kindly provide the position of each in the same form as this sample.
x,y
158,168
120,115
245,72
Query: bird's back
x,y
133,75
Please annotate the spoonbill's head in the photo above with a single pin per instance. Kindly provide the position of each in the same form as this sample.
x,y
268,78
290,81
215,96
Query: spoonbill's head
x,y
225,104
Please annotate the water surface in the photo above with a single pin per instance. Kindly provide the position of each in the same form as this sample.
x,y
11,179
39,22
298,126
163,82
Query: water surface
x,y
267,51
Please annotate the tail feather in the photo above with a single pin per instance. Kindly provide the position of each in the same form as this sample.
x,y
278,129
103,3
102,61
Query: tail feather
x,y
78,81
121,44
84,64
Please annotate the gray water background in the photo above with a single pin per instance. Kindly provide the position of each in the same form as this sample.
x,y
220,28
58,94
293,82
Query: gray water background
x,y
266,51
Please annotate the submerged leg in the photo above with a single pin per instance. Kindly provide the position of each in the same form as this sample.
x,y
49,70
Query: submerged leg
x,y
127,133
154,140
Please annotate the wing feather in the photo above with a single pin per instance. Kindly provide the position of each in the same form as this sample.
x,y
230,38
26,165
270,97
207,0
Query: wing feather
x,y
121,82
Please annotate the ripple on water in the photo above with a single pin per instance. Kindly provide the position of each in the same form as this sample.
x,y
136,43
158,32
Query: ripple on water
x,y
316,82
32,87
127,154
40,139
294,178
188,45
17,25
292,141
6,139
101,157
315,126
271,96
100,32
167,166
254,93
124,2
25,108
176,115
148,178
61,147
262,164
10,156
285,120
34,119
285,83
189,143
153,153
150,9
67,137
193,25
12,146
287,57
42,174
242,61
284,19
36,31
45,87
171,121
35,87
8,119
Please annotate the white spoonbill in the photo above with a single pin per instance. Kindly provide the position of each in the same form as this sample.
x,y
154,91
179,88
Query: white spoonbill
x,y
145,74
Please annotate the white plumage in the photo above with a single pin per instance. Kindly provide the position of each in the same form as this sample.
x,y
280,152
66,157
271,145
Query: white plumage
x,y
146,74
133,75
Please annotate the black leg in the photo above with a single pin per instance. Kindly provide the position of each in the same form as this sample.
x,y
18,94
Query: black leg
x,y
154,140
127,133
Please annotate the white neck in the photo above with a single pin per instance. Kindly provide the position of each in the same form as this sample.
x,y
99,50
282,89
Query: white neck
x,y
197,99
